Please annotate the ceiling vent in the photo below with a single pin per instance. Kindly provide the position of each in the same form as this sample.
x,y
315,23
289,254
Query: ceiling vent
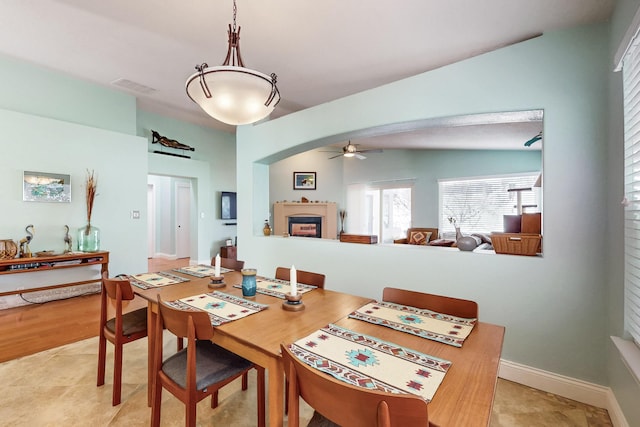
x,y
133,86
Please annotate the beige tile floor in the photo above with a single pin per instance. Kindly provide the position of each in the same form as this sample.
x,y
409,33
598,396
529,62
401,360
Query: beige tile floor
x,y
57,387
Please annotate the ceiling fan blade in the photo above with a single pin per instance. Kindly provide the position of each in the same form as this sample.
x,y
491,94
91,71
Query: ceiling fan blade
x,y
377,150
360,156
333,157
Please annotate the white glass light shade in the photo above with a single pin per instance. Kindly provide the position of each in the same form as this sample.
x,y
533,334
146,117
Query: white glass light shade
x,y
238,94
349,154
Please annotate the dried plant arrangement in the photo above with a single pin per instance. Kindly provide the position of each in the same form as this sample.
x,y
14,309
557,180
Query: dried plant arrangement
x,y
92,187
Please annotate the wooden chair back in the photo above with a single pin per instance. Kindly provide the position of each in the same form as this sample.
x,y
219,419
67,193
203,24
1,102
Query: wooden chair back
x,y
442,304
114,285
179,322
194,325
305,277
345,404
121,329
230,263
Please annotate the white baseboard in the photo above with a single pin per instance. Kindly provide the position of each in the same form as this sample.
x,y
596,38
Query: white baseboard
x,y
571,388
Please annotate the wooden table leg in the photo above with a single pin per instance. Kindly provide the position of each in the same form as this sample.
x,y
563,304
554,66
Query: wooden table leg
x,y
151,339
275,393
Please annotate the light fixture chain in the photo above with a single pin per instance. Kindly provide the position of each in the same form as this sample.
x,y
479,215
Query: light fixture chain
x,y
235,12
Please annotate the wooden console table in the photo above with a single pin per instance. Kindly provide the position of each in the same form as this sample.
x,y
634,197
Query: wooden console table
x,y
46,264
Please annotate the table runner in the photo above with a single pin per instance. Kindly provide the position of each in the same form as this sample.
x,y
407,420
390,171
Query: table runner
x,y
277,288
200,270
368,362
154,280
417,321
222,308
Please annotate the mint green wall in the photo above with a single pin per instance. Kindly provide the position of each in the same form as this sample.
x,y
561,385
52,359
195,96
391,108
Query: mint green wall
x,y
41,92
211,170
46,145
625,388
55,123
83,125
554,308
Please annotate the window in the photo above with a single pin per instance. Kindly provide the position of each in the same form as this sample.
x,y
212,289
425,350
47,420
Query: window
x,y
631,84
478,204
383,209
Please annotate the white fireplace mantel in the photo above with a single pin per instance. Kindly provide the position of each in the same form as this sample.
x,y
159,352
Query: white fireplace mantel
x,y
327,211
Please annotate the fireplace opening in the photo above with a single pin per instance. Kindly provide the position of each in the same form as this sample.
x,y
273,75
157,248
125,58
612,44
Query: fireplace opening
x,y
305,226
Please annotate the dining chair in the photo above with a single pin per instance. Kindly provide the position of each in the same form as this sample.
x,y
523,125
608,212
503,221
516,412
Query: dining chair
x,y
119,330
230,263
306,277
442,304
337,403
199,370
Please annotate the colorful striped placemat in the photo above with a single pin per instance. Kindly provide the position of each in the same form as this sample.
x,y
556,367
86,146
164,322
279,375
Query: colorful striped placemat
x,y
200,270
417,321
155,280
221,307
369,362
278,288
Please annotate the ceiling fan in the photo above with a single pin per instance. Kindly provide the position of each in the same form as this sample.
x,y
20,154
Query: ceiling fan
x,y
351,150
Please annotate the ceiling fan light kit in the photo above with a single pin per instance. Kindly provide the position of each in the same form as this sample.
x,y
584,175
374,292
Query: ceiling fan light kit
x,y
230,92
351,150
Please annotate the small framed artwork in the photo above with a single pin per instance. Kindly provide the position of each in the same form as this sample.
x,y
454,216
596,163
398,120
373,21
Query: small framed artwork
x,y
46,187
304,180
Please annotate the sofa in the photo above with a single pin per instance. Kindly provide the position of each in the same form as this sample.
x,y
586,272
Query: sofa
x,y
419,236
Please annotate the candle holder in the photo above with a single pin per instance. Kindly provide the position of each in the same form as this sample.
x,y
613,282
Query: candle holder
x,y
293,302
217,282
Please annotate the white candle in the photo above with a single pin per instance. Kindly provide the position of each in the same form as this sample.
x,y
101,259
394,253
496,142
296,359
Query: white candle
x,y
293,278
217,269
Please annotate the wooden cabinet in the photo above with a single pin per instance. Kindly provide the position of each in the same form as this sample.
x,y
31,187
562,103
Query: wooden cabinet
x,y
20,275
229,252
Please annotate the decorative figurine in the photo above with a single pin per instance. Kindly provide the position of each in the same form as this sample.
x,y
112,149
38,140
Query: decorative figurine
x,y
68,241
25,252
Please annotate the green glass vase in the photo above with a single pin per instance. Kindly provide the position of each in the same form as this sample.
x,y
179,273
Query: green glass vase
x,y
89,238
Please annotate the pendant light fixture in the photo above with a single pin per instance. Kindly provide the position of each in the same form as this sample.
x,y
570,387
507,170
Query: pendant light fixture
x,y
230,92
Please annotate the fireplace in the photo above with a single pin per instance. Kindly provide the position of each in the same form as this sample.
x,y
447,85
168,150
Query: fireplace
x,y
305,226
325,212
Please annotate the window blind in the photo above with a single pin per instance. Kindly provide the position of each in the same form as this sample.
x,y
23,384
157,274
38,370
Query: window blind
x,y
479,204
631,88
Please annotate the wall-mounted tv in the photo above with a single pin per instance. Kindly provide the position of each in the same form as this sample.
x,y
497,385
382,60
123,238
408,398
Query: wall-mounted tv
x,y
228,205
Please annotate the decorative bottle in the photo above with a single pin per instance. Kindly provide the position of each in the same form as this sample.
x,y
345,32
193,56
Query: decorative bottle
x,y
266,230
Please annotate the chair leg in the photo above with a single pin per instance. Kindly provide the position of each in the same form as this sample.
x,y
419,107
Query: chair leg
x,y
190,415
261,397
102,358
117,374
214,400
180,343
286,397
156,404
245,381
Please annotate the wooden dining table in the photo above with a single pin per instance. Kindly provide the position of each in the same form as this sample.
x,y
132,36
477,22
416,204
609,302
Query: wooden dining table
x,y
258,337
464,398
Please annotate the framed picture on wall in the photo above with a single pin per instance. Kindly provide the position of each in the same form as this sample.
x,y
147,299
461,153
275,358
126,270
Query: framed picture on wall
x,y
304,180
46,187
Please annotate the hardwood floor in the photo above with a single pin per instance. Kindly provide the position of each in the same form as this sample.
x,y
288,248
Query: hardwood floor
x,y
30,329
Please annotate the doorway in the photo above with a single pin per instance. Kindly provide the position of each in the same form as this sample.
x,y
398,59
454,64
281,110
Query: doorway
x,y
183,220
171,204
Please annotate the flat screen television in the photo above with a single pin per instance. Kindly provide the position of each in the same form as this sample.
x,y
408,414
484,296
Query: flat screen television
x,y
228,208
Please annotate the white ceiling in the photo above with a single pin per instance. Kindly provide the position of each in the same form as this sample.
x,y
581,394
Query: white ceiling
x,y
320,50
